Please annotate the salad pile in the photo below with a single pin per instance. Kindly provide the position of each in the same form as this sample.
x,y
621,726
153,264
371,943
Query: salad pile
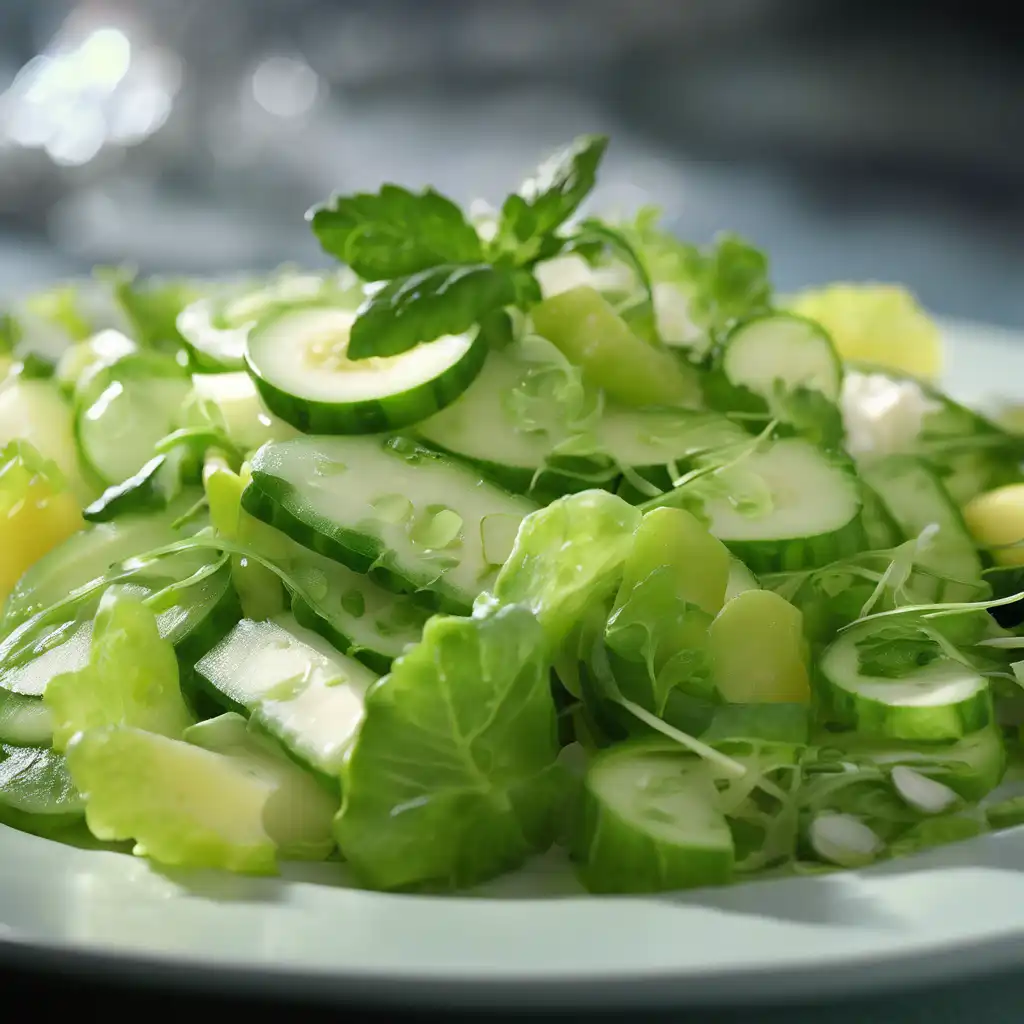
x,y
515,530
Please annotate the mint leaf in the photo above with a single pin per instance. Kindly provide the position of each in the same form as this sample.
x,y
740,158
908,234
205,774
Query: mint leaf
x,y
447,299
395,232
550,197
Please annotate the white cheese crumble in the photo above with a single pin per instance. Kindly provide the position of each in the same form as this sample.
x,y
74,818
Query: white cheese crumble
x,y
882,415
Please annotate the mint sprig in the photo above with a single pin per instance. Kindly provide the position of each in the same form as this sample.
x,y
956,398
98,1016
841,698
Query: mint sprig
x,y
438,276
395,232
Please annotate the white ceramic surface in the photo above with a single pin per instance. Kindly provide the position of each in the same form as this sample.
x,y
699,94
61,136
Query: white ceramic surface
x,y
535,938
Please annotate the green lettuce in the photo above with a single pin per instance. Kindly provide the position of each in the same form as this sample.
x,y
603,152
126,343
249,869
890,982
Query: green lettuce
x,y
453,776
131,678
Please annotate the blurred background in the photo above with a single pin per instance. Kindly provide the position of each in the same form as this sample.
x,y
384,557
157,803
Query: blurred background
x,y
862,139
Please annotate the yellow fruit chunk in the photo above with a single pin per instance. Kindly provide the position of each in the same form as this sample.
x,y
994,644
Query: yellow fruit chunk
x,y
36,512
758,651
996,521
876,323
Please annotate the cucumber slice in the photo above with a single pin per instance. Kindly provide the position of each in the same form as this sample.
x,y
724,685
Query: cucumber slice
x,y
294,684
972,766
24,721
216,327
650,822
90,553
942,700
543,453
33,411
247,421
298,359
36,791
781,349
299,815
124,409
151,489
804,509
86,357
482,426
916,499
359,618
413,519
741,579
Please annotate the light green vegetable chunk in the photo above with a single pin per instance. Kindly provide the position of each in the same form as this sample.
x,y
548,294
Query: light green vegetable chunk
x,y
131,678
674,538
182,805
758,650
299,815
453,777
566,556
584,326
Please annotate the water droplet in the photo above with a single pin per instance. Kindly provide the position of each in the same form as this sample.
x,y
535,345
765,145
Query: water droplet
x,y
393,508
437,529
354,603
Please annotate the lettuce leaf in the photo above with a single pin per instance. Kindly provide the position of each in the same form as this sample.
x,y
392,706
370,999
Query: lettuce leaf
x,y
453,776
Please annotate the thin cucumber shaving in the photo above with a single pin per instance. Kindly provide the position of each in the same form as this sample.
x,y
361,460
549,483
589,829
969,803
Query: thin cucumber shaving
x,y
517,534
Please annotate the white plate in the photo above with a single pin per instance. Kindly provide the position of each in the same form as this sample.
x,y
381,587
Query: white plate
x,y
534,938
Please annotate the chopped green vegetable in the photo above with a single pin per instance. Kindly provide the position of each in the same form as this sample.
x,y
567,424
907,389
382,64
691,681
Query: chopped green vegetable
x,y
452,778
131,678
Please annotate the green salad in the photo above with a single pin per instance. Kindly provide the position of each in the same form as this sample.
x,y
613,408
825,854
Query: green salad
x,y
512,531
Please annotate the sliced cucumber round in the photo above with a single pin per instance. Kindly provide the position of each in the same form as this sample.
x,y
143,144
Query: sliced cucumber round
x,y
216,328
34,411
298,359
36,791
517,422
358,617
124,409
24,721
294,684
246,420
916,499
942,700
650,822
415,520
803,509
90,553
972,766
782,350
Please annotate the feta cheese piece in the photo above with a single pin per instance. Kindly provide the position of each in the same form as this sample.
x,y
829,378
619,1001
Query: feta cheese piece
x,y
881,415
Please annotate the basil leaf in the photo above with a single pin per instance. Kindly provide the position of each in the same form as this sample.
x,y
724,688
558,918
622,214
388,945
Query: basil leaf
x,y
421,307
395,232
550,197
